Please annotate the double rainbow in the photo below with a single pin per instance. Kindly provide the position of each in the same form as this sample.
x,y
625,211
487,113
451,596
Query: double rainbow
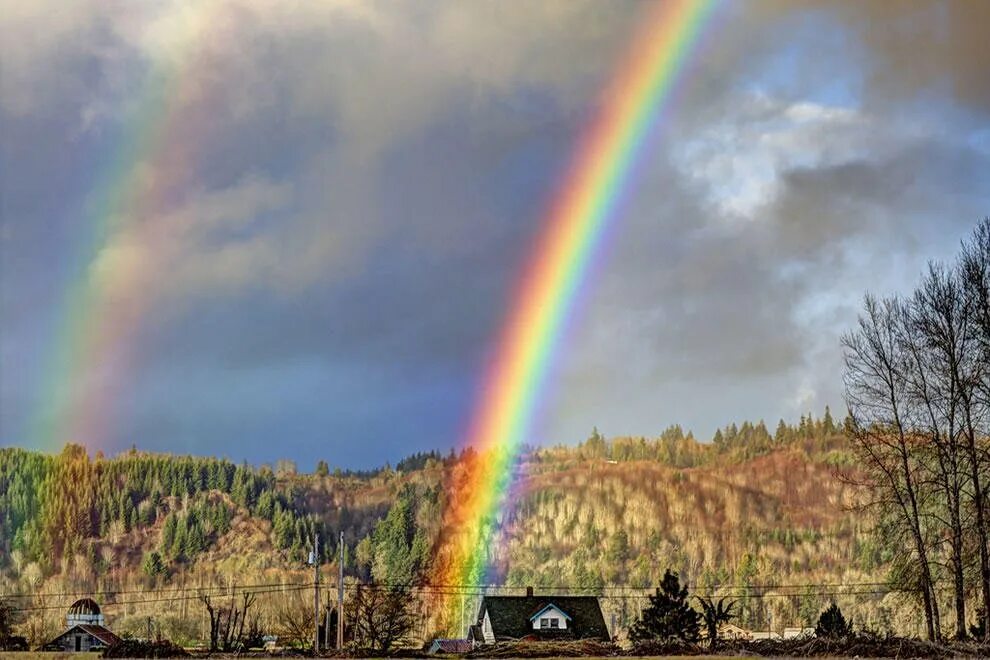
x,y
574,227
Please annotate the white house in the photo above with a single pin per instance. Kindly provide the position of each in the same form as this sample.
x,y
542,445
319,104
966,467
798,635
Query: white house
x,y
532,617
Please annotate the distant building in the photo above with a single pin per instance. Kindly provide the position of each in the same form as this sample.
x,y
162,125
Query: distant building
x,y
798,633
452,646
84,630
763,634
732,631
538,618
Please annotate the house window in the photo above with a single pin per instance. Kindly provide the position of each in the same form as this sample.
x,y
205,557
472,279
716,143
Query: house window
x,y
555,622
544,623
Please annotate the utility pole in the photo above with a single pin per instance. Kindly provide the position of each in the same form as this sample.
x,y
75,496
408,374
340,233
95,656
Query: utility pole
x,y
315,560
340,593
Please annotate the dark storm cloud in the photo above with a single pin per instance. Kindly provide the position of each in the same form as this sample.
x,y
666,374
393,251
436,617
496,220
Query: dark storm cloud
x,y
368,179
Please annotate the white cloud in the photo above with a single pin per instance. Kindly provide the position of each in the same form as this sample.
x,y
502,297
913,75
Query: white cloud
x,y
741,160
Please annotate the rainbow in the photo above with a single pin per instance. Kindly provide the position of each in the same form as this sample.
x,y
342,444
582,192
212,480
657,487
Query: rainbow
x,y
574,228
122,255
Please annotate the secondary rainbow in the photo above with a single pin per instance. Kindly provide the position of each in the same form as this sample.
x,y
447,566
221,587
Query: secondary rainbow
x,y
120,257
577,219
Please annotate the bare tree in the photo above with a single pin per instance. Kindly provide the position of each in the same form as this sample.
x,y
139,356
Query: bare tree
x,y
937,341
227,623
974,271
381,617
295,620
877,396
918,389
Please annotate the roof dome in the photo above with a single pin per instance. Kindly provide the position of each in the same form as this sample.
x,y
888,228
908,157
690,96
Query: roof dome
x,y
85,606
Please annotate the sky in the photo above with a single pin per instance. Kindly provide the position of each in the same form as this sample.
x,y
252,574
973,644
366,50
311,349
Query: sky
x,y
322,209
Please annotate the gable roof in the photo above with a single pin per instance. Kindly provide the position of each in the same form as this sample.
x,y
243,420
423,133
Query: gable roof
x,y
549,606
511,616
104,635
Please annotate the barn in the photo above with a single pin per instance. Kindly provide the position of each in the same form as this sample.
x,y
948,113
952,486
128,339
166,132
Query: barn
x,y
85,630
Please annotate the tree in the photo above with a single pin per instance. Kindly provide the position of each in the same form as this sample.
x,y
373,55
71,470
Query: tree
x,y
322,469
227,623
618,548
889,470
153,566
668,617
596,445
831,624
974,271
714,615
381,618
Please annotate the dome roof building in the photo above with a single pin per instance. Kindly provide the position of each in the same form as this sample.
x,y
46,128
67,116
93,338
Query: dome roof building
x,y
84,611
84,630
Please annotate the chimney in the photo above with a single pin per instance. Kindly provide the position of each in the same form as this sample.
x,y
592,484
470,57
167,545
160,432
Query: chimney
x,y
529,592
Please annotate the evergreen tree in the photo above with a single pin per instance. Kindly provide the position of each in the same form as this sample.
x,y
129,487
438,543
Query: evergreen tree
x,y
153,566
168,534
618,548
831,624
668,618
782,434
828,426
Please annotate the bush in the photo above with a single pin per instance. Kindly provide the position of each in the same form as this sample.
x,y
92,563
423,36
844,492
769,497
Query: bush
x,y
831,624
132,648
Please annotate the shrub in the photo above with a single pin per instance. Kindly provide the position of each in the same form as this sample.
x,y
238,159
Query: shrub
x,y
831,624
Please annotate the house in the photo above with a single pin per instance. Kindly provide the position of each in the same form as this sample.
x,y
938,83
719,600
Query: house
x,y
452,646
532,617
85,630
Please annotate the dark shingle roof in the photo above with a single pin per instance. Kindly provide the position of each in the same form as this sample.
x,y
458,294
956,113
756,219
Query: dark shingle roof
x,y
451,646
510,616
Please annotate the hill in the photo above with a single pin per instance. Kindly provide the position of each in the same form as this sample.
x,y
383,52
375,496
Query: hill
x,y
760,517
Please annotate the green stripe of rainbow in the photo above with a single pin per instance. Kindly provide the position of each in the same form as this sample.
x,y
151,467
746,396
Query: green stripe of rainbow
x,y
546,293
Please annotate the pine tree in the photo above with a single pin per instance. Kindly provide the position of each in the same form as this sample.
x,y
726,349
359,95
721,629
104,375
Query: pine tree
x,y
831,623
668,617
828,426
153,566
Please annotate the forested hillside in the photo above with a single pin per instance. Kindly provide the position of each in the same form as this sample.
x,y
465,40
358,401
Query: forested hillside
x,y
754,514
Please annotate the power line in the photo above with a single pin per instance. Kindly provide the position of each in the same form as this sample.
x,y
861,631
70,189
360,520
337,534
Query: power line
x,y
163,600
616,592
115,592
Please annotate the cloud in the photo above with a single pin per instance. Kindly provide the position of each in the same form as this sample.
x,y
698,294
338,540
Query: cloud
x,y
350,189
746,254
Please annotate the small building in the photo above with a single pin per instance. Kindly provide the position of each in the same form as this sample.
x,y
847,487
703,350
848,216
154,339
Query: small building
x,y
84,630
732,631
451,646
538,618
764,634
798,633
